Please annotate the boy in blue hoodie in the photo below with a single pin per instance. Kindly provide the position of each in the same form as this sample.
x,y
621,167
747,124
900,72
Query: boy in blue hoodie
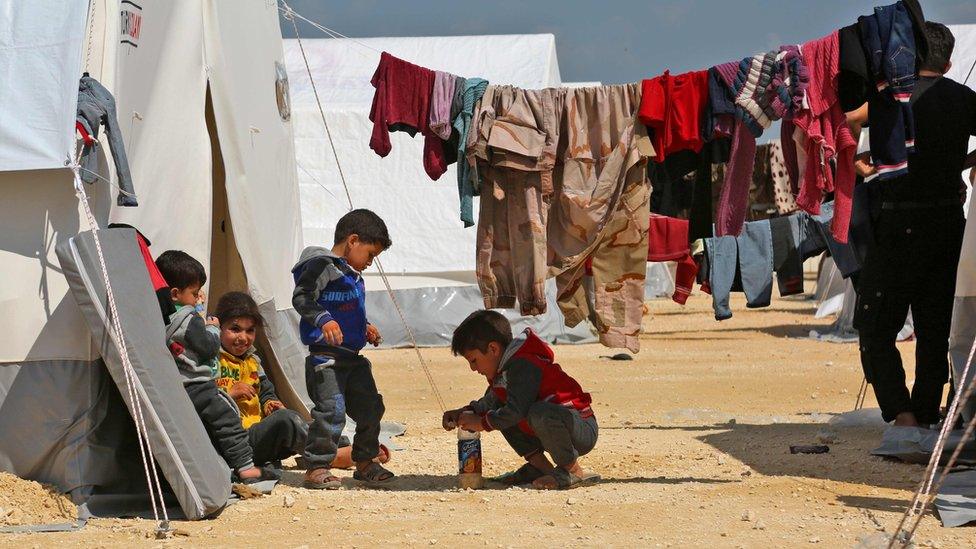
x,y
330,297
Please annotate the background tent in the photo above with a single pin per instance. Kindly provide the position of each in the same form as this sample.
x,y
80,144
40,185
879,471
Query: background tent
x,y
202,103
964,310
431,263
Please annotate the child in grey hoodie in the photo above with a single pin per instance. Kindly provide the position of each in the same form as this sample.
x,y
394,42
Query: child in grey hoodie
x,y
195,344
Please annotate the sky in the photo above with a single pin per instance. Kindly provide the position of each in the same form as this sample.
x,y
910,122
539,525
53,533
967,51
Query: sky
x,y
614,41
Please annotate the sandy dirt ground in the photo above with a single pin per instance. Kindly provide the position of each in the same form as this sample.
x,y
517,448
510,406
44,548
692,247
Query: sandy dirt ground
x,y
694,452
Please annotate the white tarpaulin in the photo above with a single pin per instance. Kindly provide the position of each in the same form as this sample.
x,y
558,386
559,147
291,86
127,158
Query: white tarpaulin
x,y
214,177
40,63
964,308
422,215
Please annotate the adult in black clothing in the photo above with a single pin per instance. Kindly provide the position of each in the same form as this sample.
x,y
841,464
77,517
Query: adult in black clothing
x,y
918,236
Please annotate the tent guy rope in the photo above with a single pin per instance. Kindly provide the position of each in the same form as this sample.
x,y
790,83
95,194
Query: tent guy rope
x,y
115,329
923,495
292,15
118,337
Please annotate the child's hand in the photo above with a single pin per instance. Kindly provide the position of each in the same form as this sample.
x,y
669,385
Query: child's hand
x,y
373,335
271,406
863,165
242,391
450,419
213,321
332,333
470,421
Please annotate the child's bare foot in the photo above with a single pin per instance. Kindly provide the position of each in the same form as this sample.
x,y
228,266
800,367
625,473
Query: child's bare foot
x,y
343,459
251,472
254,474
906,419
321,478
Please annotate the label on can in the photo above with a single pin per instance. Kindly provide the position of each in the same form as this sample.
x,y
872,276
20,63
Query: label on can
x,y
469,456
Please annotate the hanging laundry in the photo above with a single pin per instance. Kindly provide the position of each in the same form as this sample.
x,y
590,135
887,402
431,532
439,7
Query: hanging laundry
x,y
719,120
668,241
96,107
533,224
402,102
682,186
756,263
672,107
673,183
441,100
469,184
787,262
819,236
783,195
765,88
761,191
889,39
723,255
820,136
744,261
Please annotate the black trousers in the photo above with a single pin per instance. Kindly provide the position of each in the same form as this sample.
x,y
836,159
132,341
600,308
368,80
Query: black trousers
x,y
280,435
340,386
912,264
222,420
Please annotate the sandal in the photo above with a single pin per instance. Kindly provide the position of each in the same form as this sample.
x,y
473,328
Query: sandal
x,y
374,475
565,480
321,479
266,474
525,474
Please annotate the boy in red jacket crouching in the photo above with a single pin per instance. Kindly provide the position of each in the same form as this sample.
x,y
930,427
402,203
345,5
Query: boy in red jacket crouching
x,y
537,407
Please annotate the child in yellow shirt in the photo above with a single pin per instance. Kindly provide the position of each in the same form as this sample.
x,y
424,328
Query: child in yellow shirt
x,y
274,431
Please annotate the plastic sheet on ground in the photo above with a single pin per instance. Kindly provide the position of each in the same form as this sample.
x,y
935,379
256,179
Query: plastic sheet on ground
x,y
388,430
956,500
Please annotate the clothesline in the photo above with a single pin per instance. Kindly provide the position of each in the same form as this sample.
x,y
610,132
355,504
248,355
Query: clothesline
x,y
288,12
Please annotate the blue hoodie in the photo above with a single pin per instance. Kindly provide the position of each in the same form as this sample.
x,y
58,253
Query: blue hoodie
x,y
326,289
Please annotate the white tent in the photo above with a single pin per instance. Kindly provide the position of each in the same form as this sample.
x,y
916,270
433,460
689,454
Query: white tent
x,y
964,310
202,105
431,264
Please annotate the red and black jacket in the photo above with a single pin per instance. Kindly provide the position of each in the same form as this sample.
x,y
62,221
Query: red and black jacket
x,y
528,374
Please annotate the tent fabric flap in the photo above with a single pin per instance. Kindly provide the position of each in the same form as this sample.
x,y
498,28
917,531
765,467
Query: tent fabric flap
x,y
40,60
198,476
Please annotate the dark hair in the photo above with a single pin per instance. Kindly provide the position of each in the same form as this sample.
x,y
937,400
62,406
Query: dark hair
x,y
941,43
365,224
180,269
238,305
480,329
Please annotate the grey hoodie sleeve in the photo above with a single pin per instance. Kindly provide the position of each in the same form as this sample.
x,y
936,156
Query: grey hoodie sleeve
x,y
316,275
202,339
484,404
522,386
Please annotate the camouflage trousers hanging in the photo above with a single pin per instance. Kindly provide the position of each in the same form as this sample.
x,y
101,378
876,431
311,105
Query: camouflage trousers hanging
x,y
563,179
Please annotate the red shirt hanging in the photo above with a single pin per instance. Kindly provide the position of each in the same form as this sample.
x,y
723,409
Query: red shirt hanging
x,y
673,107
